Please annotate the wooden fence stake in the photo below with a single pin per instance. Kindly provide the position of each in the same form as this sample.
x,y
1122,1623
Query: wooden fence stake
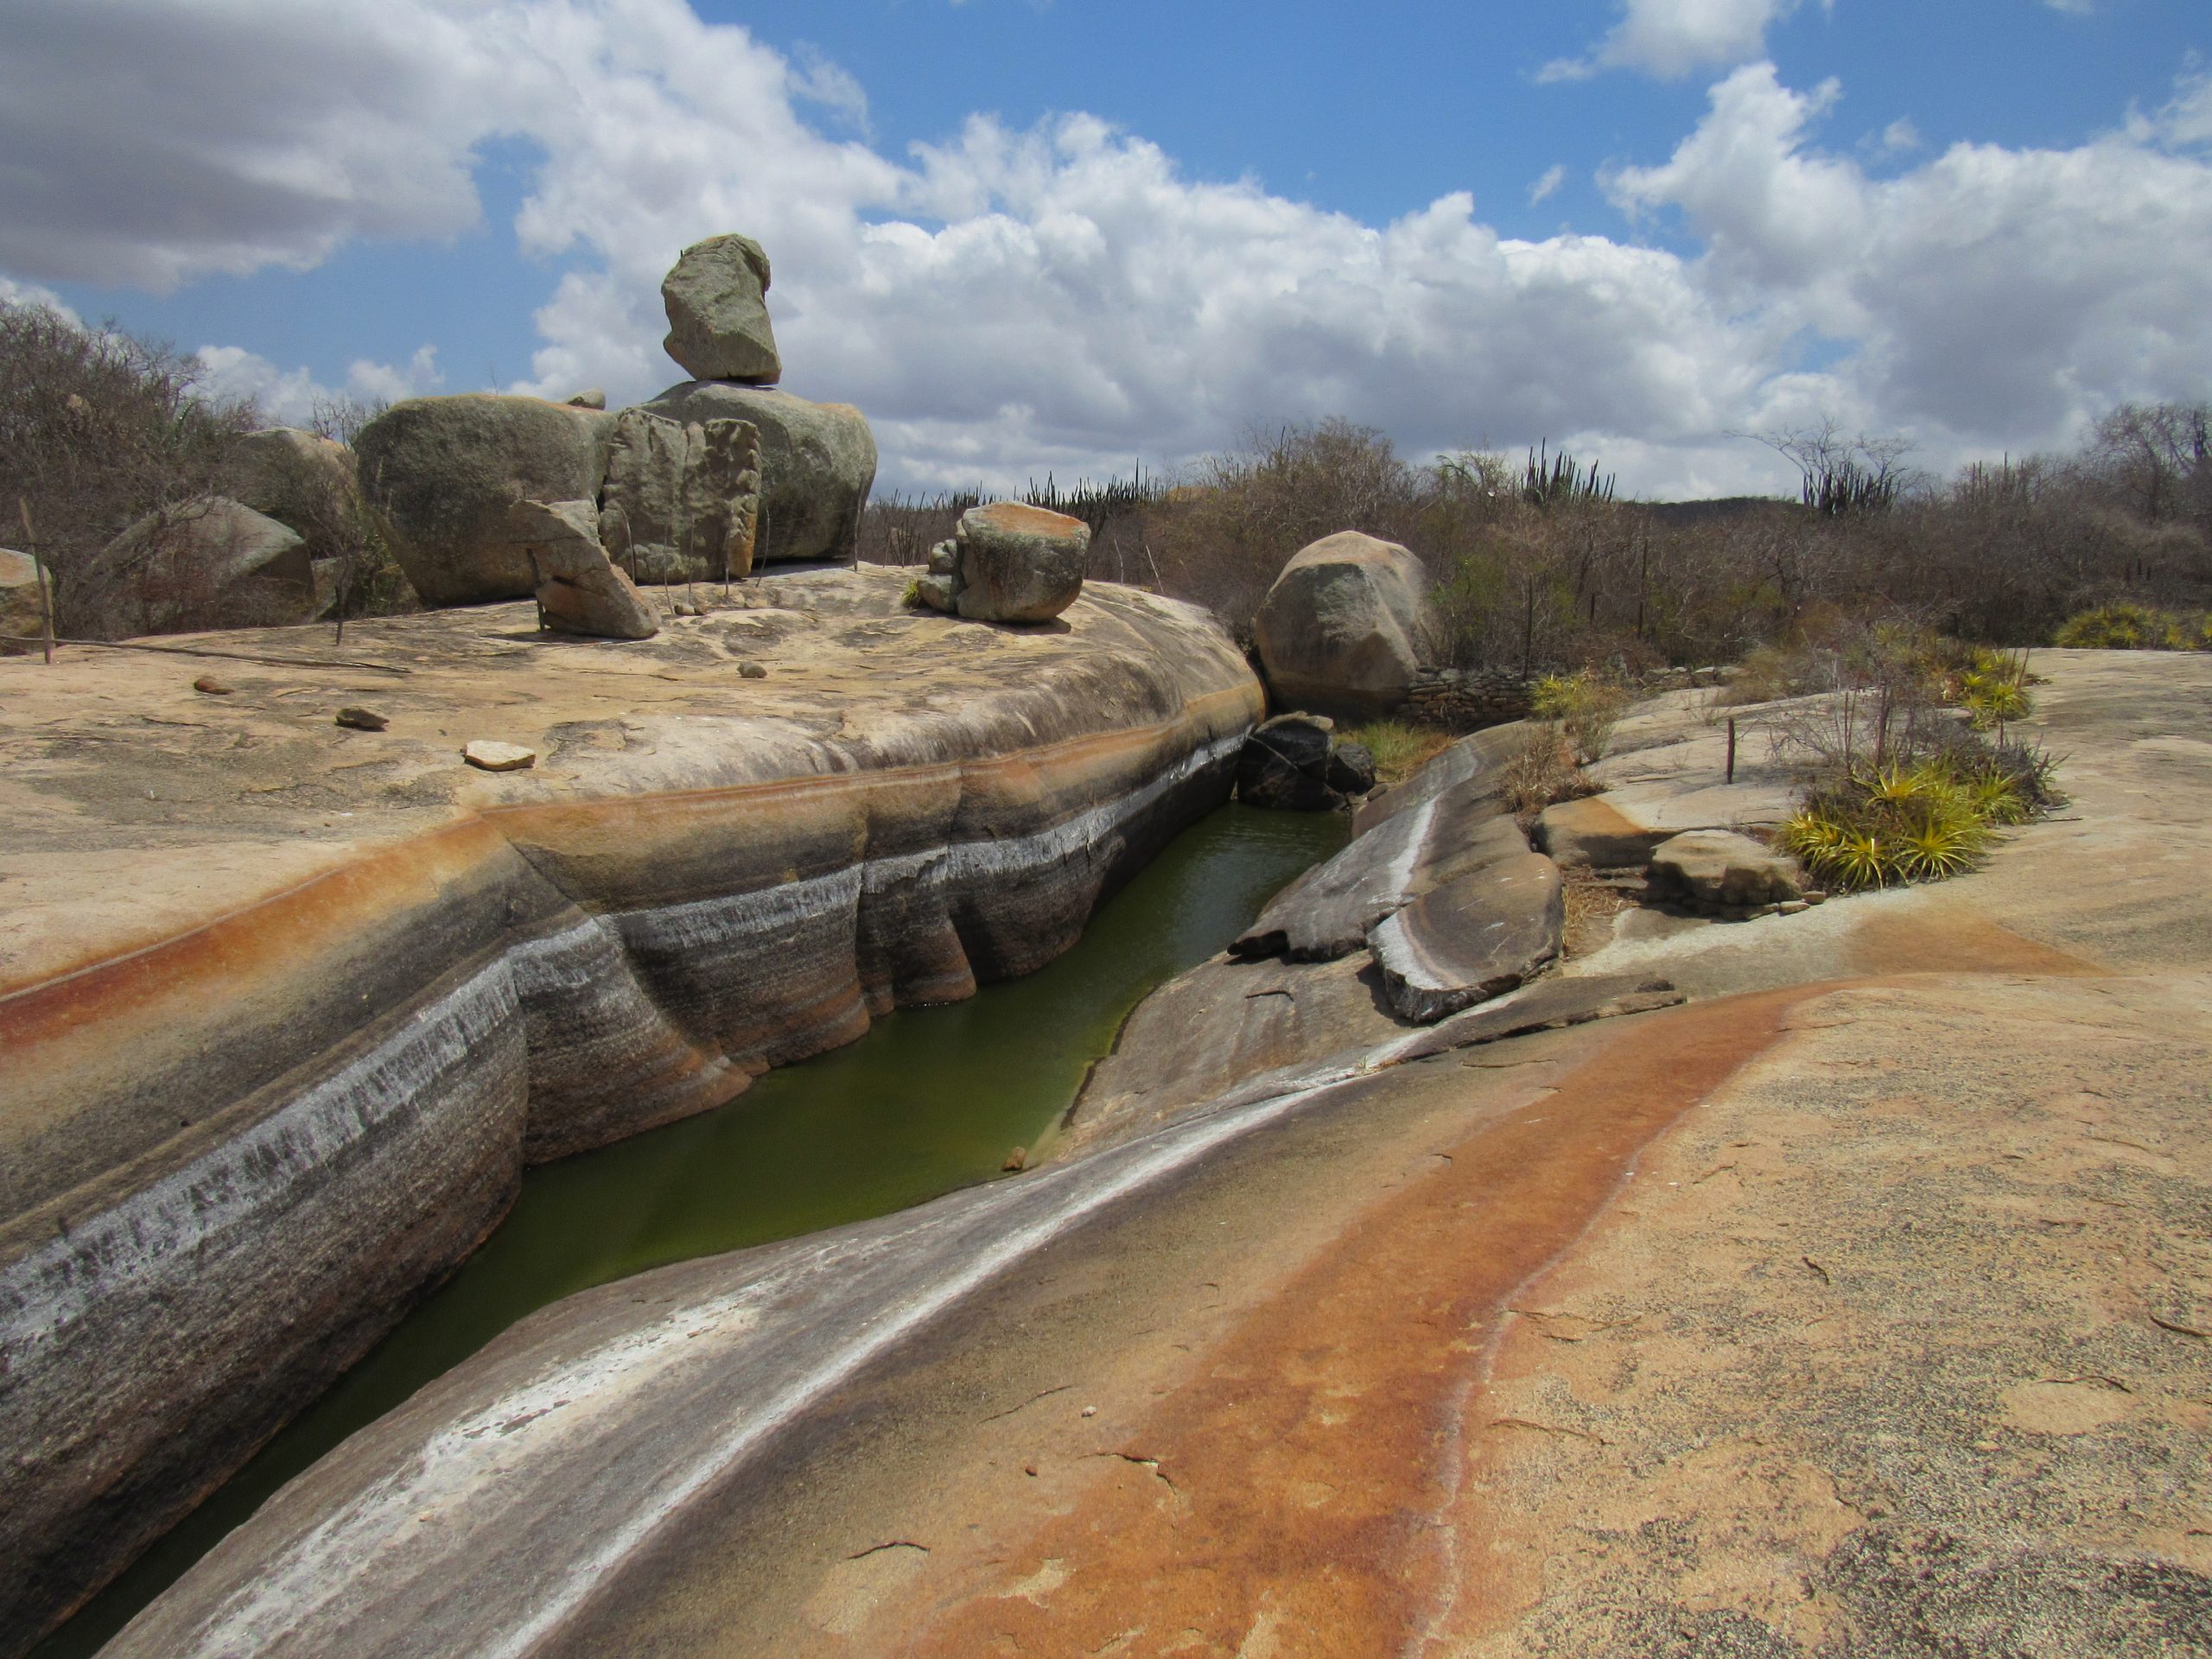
x,y
1731,748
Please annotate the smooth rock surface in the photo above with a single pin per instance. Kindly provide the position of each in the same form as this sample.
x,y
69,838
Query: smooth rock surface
x,y
718,326
286,1008
818,464
208,563
442,472
25,593
578,589
1019,563
489,755
1719,867
1473,938
1340,631
1592,833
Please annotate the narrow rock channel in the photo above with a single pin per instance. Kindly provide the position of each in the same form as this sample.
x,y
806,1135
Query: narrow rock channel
x,y
931,1099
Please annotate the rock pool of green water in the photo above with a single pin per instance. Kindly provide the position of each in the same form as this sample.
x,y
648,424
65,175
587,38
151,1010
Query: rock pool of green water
x,y
930,1100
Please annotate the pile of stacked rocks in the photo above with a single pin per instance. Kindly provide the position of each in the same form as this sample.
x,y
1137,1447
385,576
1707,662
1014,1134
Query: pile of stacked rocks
x,y
487,497
1007,562
1466,700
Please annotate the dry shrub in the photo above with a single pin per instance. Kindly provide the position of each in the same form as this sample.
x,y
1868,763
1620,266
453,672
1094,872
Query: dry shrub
x,y
1542,771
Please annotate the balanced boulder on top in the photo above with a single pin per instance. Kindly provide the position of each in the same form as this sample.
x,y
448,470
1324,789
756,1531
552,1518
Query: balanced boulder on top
x,y
718,325
1340,632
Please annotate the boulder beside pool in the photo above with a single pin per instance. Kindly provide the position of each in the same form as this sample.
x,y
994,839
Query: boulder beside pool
x,y
1340,631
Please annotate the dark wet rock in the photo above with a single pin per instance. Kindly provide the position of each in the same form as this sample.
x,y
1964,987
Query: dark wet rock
x,y
1352,768
1285,766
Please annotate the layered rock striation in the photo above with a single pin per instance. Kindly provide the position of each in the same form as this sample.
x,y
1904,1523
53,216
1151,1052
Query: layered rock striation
x,y
252,1115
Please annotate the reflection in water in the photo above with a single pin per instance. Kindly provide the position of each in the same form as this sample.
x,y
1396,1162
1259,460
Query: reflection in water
x,y
930,1100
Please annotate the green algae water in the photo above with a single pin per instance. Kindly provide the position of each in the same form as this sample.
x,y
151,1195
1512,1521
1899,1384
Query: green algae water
x,y
930,1100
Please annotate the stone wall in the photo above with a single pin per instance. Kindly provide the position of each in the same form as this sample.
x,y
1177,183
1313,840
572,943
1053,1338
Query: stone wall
x,y
1466,699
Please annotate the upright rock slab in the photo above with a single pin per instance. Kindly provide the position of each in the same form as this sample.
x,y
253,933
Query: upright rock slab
x,y
681,501
817,461
442,472
718,326
1340,631
579,590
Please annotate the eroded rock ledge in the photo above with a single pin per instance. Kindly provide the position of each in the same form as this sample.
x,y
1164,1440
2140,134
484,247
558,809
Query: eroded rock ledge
x,y
288,1008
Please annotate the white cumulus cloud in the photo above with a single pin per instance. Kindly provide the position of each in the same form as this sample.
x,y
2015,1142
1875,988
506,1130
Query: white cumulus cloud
x,y
1065,298
1671,38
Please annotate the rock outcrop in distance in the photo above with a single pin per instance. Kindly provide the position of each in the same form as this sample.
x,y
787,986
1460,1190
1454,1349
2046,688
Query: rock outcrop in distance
x,y
205,563
274,1069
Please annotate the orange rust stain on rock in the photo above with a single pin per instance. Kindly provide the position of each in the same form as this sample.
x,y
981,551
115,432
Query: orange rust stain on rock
x,y
1302,1471
1952,939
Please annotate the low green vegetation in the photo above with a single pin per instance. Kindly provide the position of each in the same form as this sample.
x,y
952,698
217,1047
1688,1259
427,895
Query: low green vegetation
x,y
1936,816
2128,626
1586,704
1400,749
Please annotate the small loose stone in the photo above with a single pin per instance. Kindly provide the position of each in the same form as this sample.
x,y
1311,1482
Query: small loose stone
x,y
752,672
363,720
213,687
498,757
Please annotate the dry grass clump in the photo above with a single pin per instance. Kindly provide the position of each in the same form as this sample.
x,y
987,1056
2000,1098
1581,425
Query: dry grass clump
x,y
1586,704
1400,750
1544,770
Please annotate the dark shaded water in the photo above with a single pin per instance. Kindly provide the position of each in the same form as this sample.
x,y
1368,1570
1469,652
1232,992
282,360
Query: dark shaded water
x,y
930,1100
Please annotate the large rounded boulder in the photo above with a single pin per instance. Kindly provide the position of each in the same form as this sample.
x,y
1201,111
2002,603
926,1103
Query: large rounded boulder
x,y
817,463
442,472
1340,632
25,592
1019,563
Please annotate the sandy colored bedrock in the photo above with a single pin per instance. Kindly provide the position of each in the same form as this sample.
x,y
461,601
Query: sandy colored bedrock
x,y
1863,1313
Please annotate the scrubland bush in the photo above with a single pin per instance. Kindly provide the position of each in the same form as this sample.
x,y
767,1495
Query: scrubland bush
x,y
2127,626
98,428
1537,567
1935,816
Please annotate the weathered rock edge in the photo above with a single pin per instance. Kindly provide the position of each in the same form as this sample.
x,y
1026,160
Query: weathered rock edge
x,y
551,976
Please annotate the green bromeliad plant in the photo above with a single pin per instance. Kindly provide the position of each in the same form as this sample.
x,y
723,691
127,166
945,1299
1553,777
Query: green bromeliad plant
x,y
1884,826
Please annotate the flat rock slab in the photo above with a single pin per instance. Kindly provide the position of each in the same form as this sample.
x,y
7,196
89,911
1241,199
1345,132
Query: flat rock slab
x,y
1473,938
1720,868
1593,833
1549,1004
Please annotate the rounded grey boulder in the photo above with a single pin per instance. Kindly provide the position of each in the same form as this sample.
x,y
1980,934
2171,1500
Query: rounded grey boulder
x,y
441,471
1340,632
718,326
208,563
817,463
1019,563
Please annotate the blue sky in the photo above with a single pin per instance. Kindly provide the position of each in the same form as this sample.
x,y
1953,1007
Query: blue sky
x,y
1026,236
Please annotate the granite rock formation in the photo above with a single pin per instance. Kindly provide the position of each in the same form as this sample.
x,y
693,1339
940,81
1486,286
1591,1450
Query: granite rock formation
x,y
1340,632
1007,562
682,499
818,464
442,472
274,1069
25,592
578,589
